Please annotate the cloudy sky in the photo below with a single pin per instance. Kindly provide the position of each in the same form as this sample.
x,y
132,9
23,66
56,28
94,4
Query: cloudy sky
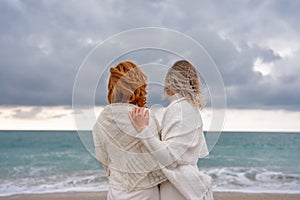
x,y
255,44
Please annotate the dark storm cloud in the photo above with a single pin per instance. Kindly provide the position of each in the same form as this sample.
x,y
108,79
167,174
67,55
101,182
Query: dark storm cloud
x,y
43,44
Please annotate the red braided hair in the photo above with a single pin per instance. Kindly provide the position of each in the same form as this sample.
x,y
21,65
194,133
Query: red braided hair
x,y
127,84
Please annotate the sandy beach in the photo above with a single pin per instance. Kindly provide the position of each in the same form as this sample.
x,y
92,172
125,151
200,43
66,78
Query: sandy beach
x,y
102,196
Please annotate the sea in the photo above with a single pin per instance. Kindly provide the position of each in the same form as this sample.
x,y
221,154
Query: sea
x,y
57,161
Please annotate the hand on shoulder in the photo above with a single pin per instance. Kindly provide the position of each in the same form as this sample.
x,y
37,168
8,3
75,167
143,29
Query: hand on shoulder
x,y
139,117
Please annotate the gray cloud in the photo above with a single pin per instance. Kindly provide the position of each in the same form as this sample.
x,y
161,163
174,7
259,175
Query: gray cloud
x,y
24,114
35,112
44,42
58,116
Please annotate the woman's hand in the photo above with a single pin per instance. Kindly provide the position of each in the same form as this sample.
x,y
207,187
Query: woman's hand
x,y
139,118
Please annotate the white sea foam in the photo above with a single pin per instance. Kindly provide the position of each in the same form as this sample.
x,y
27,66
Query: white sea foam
x,y
92,180
248,180
254,180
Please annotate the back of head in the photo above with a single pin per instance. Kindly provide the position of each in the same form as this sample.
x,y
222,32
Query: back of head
x,y
182,78
127,84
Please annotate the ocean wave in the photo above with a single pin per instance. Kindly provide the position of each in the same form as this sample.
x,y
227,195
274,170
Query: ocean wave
x,y
229,179
88,180
257,180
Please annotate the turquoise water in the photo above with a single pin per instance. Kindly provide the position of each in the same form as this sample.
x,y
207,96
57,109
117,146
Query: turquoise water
x,y
49,161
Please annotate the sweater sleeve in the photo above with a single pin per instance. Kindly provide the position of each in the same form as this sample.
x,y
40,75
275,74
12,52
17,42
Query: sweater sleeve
x,y
100,146
178,136
158,149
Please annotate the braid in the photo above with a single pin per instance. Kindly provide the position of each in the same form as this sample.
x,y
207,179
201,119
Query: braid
x,y
127,83
182,78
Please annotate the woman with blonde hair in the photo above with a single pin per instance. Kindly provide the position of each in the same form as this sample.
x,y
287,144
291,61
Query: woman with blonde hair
x,y
182,140
132,172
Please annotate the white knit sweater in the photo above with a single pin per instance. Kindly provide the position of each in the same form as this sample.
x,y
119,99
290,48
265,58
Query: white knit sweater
x,y
182,144
128,163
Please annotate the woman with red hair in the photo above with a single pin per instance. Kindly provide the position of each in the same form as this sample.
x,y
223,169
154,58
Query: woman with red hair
x,y
132,171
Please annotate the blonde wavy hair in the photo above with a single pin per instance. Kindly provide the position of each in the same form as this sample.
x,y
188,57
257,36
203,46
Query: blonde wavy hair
x,y
127,84
182,78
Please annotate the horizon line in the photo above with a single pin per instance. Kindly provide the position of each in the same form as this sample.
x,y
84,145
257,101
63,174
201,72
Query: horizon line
x,y
233,131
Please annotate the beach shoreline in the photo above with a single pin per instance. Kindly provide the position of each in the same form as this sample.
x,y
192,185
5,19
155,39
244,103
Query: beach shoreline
x,y
101,195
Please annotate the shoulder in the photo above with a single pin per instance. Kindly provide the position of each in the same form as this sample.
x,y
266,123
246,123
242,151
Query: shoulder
x,y
114,118
181,107
184,112
172,114
115,112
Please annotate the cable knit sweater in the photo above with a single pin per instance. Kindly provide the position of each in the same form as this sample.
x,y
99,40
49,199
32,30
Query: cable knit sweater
x,y
127,161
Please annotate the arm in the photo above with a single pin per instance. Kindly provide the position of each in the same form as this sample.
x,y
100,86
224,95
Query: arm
x,y
178,138
100,147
